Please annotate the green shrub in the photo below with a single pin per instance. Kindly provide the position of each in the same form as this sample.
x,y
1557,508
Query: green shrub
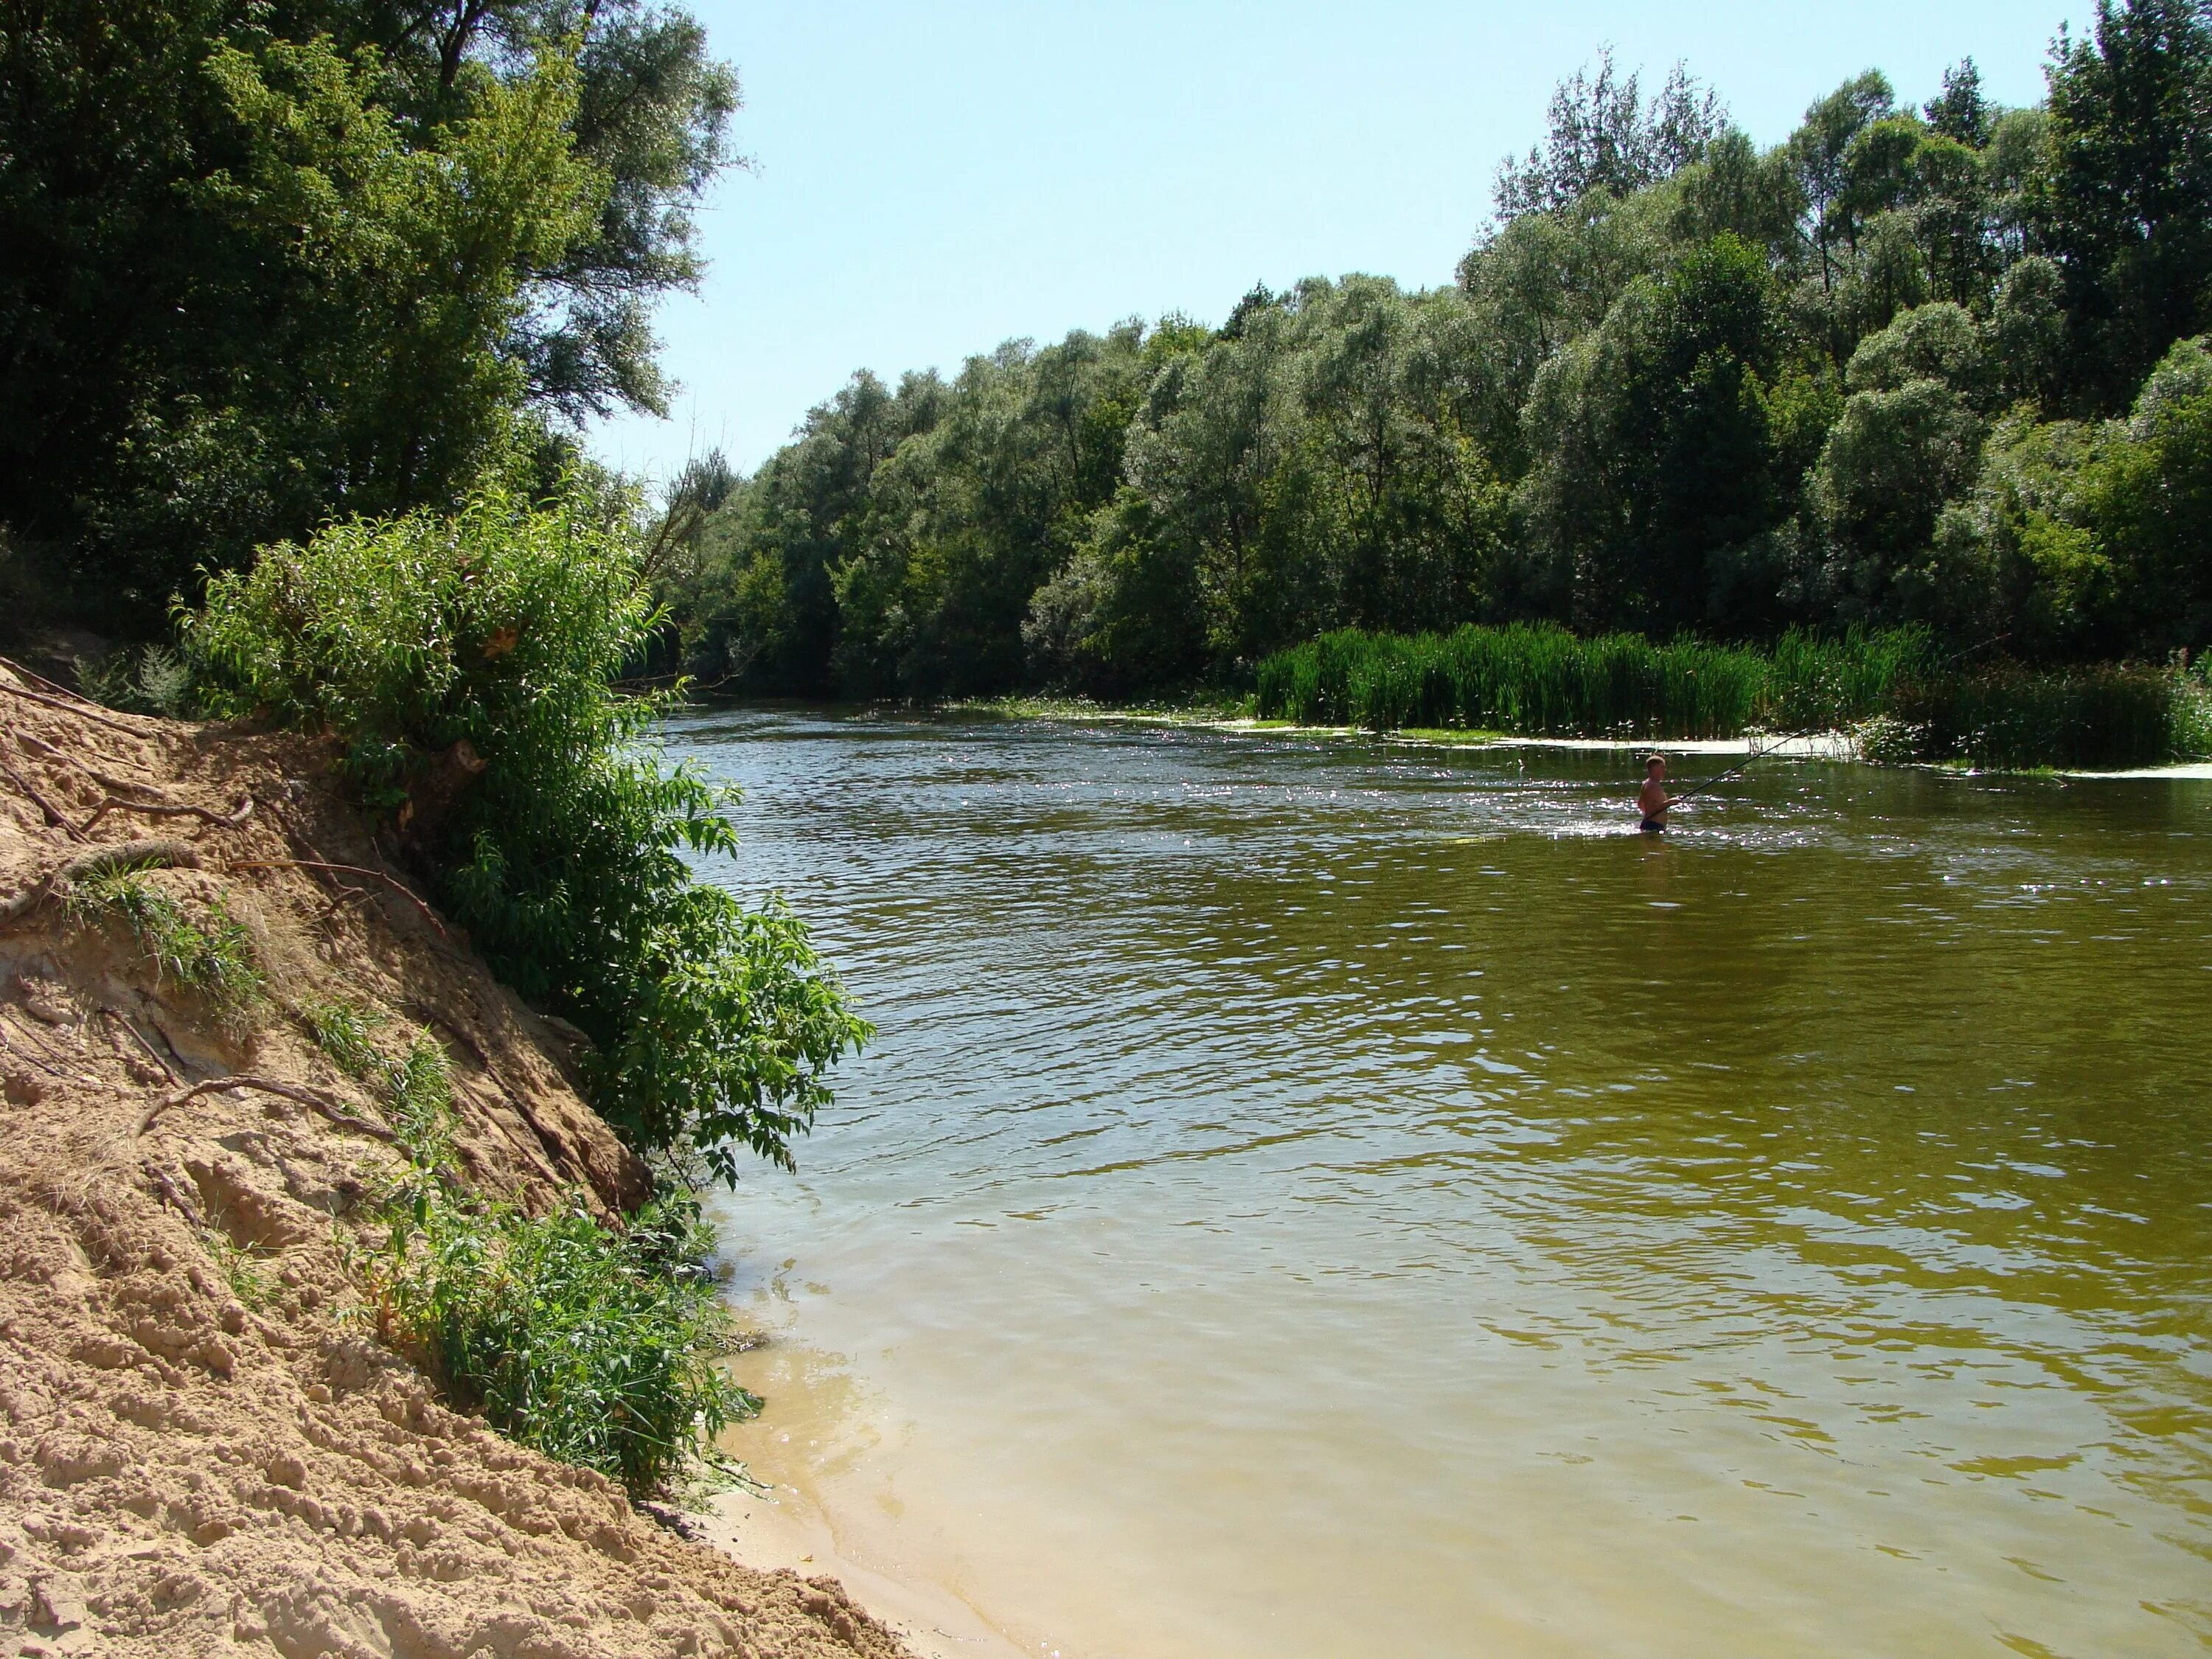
x,y
504,629
216,956
594,1346
154,680
2192,706
1888,741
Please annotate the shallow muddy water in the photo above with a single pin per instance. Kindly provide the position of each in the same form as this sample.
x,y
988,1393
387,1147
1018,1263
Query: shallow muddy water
x,y
1312,1197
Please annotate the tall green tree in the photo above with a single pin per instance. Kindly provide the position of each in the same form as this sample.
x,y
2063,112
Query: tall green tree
x,y
968,520
1601,133
1655,448
1319,464
763,610
261,264
1909,440
2123,200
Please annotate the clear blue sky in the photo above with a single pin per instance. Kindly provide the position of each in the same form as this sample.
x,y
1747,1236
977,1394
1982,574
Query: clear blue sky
x,y
931,179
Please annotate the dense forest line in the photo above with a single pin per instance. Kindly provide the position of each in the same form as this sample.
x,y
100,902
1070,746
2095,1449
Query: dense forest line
x,y
1935,367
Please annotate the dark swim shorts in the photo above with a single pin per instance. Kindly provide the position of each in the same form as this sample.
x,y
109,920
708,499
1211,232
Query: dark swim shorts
x,y
1653,827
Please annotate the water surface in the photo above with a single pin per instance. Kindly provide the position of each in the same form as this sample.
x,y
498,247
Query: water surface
x,y
1316,1197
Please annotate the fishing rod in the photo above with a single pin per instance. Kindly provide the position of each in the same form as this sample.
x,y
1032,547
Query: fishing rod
x,y
1758,753
1994,639
1774,747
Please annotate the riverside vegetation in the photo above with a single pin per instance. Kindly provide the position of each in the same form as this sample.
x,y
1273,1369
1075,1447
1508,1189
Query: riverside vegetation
x,y
1905,700
1543,680
496,635
1937,367
305,308
489,641
599,1348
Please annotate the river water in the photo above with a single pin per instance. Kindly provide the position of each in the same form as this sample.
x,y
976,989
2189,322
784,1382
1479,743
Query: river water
x,y
1318,1197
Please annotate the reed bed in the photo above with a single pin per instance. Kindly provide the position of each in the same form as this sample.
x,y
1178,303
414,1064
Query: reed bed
x,y
1540,680
1536,679
2111,715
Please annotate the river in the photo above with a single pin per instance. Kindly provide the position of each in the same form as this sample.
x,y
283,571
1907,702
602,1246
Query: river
x,y
1313,1196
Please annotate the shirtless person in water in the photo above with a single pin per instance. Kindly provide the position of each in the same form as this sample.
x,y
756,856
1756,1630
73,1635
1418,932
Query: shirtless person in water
x,y
1652,799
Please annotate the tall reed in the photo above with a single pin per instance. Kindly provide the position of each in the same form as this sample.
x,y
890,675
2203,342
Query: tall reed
x,y
2110,715
1539,679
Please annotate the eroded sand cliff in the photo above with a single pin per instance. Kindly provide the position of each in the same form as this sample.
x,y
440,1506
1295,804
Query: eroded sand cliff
x,y
187,1467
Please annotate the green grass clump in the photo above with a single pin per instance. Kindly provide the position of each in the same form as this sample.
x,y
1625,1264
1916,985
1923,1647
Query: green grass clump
x,y
215,955
1540,680
415,1086
1833,681
597,1348
343,1031
419,1087
246,1280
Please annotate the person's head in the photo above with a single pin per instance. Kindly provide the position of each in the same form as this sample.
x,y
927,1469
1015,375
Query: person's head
x,y
1655,766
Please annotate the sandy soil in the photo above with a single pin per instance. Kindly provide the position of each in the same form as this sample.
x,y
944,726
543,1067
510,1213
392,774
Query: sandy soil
x,y
201,1450
788,1531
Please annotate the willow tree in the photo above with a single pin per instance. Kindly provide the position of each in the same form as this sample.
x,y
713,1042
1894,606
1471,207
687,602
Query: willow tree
x,y
261,265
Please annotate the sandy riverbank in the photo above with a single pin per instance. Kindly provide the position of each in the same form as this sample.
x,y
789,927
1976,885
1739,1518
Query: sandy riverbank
x,y
1820,745
789,1533
1803,746
203,1449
